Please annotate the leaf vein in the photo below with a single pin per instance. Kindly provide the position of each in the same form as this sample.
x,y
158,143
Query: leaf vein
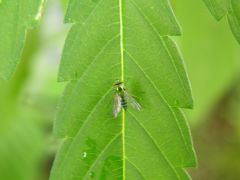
x,y
98,54
163,42
161,96
102,152
83,125
137,169
155,144
72,98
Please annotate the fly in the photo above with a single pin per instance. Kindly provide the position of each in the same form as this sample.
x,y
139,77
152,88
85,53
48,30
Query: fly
x,y
122,98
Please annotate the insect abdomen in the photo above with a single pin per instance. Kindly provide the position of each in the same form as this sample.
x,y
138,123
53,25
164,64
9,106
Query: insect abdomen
x,y
124,103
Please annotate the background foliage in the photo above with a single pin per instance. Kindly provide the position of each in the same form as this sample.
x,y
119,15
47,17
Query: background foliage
x,y
230,8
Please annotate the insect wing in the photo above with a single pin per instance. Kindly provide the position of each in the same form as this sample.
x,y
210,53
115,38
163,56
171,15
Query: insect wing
x,y
116,105
132,101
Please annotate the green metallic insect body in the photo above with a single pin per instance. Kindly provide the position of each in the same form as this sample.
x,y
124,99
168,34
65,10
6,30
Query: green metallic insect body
x,y
120,91
122,99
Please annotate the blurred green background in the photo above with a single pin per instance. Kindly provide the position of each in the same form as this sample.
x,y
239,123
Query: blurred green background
x,y
212,57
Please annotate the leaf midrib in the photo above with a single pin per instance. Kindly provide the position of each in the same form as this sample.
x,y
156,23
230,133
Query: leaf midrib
x,y
122,79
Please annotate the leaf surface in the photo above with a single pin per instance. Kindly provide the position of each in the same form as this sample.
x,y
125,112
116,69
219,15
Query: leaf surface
x,y
219,8
126,40
15,18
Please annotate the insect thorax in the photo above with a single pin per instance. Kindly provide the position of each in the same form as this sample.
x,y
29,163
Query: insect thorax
x,y
119,89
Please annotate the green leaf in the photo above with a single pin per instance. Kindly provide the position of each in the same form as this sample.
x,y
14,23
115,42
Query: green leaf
x,y
22,143
234,18
219,8
15,18
124,40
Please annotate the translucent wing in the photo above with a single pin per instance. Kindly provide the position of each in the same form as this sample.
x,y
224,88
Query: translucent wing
x,y
116,105
132,101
